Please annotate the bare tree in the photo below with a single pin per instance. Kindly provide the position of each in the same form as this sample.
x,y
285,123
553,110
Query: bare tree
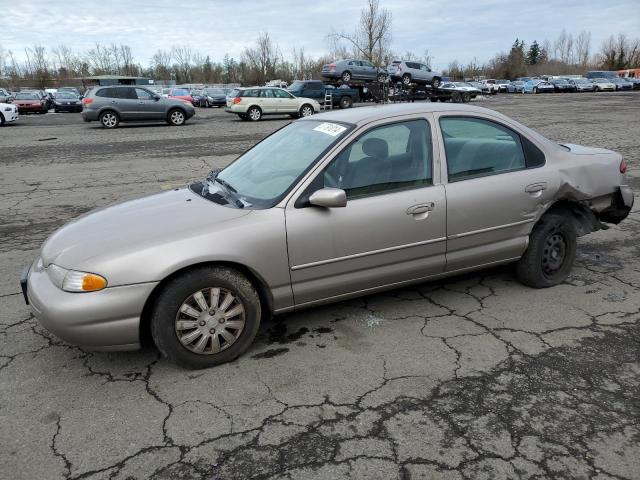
x,y
372,35
262,59
583,47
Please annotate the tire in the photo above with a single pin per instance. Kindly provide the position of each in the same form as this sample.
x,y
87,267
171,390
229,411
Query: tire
x,y
109,119
550,254
346,76
306,110
535,90
456,97
381,77
192,291
443,99
466,97
435,82
433,99
406,79
346,102
56,110
254,114
1,120
176,117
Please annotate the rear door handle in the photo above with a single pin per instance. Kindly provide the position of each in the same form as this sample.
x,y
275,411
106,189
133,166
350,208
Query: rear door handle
x,y
420,208
536,187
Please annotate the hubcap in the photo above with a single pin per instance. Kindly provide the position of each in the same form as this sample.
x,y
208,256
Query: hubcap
x,y
306,111
254,114
109,120
210,321
177,117
554,253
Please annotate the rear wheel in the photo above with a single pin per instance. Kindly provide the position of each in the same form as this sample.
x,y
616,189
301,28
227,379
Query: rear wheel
x,y
456,97
254,114
433,99
466,97
435,82
406,79
176,117
550,254
205,317
109,119
381,77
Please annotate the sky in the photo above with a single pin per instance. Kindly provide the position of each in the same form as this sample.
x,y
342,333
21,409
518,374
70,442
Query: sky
x,y
450,29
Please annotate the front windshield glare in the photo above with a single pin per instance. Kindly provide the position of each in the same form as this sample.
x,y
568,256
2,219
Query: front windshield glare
x,y
265,173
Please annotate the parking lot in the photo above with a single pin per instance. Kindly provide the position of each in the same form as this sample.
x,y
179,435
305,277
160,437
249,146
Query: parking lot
x,y
472,377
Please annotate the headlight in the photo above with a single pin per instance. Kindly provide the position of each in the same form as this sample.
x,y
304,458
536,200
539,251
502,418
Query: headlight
x,y
73,281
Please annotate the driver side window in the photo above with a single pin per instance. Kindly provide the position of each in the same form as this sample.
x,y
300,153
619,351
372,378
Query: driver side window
x,y
387,158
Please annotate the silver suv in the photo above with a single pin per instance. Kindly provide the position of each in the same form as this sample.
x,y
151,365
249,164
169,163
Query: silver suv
x,y
113,104
413,72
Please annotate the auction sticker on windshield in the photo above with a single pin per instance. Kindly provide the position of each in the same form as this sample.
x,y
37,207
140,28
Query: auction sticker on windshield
x,y
332,129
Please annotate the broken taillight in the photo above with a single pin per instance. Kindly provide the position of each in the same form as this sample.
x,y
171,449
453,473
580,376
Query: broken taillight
x,y
623,167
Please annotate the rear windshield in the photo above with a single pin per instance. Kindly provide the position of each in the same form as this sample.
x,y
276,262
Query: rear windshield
x,y
179,92
236,92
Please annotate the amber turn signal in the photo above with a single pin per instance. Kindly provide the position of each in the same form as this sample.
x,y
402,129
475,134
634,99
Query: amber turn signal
x,y
92,282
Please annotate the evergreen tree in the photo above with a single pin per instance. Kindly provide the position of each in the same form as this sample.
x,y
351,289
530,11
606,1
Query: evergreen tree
x,y
534,54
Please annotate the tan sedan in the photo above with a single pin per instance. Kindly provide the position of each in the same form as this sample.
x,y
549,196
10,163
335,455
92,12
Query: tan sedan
x,y
332,206
255,102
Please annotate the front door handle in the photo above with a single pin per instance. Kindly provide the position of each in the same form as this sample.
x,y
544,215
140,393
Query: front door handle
x,y
536,187
420,208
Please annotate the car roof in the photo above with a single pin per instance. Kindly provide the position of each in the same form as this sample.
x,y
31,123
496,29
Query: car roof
x,y
363,115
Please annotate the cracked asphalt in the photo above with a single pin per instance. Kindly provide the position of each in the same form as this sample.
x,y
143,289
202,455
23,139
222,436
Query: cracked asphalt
x,y
472,377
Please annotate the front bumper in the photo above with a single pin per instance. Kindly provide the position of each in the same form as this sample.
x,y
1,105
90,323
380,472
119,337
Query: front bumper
x,y
30,108
105,320
10,116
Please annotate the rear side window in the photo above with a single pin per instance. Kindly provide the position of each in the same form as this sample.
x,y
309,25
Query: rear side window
x,y
477,148
106,92
251,93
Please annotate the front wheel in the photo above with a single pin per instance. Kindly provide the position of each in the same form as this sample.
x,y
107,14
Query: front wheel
x,y
435,83
176,117
466,97
346,76
306,110
406,79
205,317
381,77
550,254
346,102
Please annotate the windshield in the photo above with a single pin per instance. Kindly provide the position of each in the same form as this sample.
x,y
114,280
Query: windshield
x,y
179,93
214,91
65,95
27,96
263,175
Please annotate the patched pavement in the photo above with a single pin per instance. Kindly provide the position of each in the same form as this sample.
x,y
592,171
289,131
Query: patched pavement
x,y
470,377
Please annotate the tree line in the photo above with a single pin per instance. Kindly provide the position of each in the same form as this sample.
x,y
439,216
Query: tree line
x,y
370,39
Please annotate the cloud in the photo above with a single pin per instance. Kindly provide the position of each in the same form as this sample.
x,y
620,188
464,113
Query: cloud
x,y
462,29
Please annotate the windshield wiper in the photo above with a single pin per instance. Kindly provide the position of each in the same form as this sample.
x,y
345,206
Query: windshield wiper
x,y
225,184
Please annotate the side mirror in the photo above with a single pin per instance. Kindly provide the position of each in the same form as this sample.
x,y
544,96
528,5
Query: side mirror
x,y
156,97
329,198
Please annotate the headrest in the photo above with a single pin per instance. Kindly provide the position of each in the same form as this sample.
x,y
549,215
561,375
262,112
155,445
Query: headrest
x,y
375,147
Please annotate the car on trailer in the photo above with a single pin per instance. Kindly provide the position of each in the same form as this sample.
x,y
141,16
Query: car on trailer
x,y
353,69
409,72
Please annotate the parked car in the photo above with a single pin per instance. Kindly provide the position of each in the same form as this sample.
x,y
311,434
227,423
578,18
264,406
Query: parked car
x,y
347,70
74,90
562,85
115,104
330,207
621,84
460,91
5,96
413,72
601,84
31,101
483,87
635,82
215,97
516,87
582,84
342,97
67,102
538,86
503,85
197,98
492,85
8,113
255,102
181,94
601,74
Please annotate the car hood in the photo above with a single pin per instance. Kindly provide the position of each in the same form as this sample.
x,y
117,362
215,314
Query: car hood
x,y
134,225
